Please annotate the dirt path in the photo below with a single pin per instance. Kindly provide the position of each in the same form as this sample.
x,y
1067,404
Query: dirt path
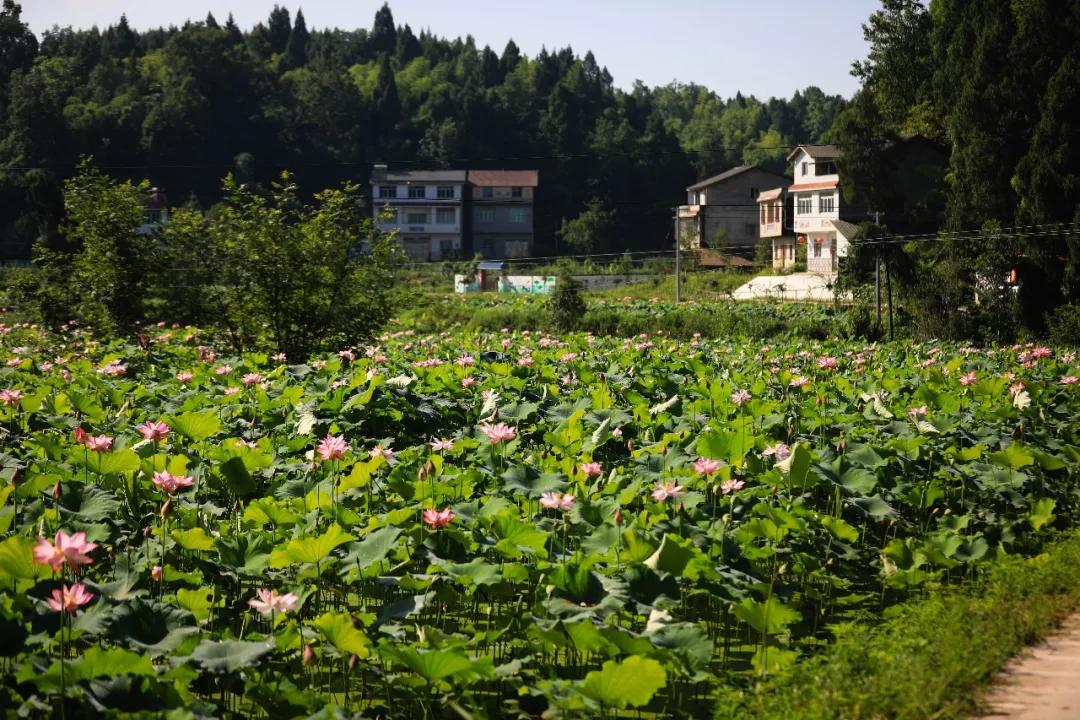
x,y
1042,683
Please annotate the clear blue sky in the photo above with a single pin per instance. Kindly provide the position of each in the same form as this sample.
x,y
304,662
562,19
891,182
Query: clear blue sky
x,y
764,48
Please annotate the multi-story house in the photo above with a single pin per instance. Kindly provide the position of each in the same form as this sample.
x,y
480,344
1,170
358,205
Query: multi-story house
x,y
774,221
502,209
721,212
817,220
425,207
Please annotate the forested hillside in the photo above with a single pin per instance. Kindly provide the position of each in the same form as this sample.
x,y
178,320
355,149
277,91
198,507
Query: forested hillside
x,y
184,106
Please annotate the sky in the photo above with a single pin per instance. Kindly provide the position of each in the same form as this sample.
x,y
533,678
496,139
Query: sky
x,y
764,49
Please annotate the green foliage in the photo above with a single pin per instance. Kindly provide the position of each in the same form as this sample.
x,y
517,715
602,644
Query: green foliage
x,y
1064,325
589,232
946,645
566,304
318,275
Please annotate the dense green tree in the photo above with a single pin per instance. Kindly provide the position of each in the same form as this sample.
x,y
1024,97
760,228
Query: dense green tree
x,y
591,231
278,29
296,48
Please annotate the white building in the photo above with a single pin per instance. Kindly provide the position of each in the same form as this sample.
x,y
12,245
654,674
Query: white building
x,y
424,207
816,207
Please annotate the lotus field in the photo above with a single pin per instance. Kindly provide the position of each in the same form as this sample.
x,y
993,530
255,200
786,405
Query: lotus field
x,y
503,524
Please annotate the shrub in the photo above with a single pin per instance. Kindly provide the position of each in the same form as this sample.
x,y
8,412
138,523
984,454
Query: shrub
x,y
566,305
1063,325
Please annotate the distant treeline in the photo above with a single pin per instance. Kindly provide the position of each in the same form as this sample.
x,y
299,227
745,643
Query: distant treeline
x,y
184,106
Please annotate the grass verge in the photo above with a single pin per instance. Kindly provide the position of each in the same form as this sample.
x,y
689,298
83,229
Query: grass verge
x,y
930,657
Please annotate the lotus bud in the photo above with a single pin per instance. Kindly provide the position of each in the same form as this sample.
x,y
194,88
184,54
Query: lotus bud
x,y
1018,432
309,655
630,446
353,662
147,530
57,491
682,508
618,516
237,507
166,509
156,573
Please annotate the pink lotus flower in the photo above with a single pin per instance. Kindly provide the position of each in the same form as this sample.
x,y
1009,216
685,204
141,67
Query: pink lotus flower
x,y
591,469
498,433
170,483
557,501
1069,379
826,363
569,357
70,598
269,602
665,490
1016,387
729,486
332,447
232,390
280,357
347,355
154,431
740,396
156,573
113,369
468,382
616,433
70,550
917,412
441,445
525,361
98,443
184,376
438,519
705,466
968,379
1041,352
386,453
780,451
466,360
251,379
798,381
10,397
223,369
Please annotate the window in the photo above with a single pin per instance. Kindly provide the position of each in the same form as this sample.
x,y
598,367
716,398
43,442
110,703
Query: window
x,y
387,191
826,203
753,192
445,192
515,192
817,248
804,205
446,247
762,220
445,216
825,168
804,167
487,193
517,215
414,217
416,192
486,215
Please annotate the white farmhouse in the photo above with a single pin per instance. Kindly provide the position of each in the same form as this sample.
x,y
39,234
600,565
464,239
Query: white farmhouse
x,y
817,213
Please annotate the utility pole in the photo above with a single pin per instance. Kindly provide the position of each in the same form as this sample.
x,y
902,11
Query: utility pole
x,y
877,273
678,272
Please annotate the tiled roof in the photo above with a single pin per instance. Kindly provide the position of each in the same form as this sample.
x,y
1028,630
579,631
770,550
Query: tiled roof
x,y
818,152
449,176
770,194
822,185
504,178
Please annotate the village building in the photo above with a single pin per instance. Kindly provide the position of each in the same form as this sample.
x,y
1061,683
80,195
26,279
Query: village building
x,y
721,212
